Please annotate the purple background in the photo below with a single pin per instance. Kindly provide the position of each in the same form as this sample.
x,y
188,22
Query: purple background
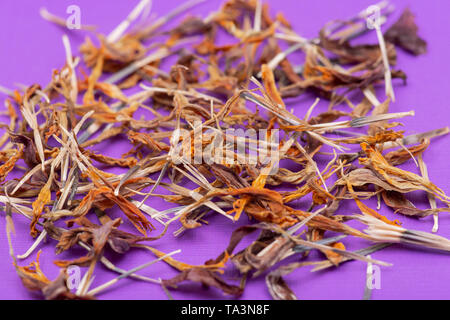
x,y
31,47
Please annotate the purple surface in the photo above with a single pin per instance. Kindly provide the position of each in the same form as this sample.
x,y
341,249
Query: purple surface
x,y
32,47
